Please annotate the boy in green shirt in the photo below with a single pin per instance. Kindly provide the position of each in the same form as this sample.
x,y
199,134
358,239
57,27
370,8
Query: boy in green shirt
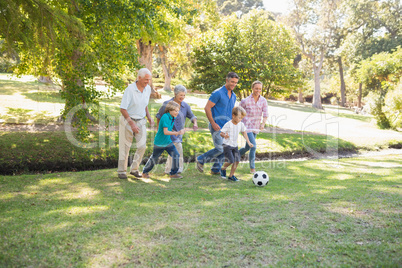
x,y
163,141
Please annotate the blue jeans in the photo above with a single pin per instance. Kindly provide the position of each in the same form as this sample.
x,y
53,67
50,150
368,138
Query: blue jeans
x,y
158,150
216,154
251,157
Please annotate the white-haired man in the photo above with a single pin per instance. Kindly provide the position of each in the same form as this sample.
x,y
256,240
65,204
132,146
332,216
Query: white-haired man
x,y
134,109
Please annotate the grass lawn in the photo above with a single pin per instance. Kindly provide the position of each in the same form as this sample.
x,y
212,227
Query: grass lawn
x,y
324,213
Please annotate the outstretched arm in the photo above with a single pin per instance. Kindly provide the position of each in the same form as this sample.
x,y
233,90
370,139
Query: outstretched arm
x,y
169,133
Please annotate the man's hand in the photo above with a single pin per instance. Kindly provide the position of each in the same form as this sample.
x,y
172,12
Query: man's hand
x,y
134,127
215,126
195,128
151,123
181,132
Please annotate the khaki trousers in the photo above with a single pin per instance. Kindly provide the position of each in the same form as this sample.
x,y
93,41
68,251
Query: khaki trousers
x,y
125,141
168,165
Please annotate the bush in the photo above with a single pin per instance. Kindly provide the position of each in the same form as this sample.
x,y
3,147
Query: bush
x,y
393,106
374,102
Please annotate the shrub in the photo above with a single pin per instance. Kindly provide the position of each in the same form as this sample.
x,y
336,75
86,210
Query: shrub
x,y
374,101
393,106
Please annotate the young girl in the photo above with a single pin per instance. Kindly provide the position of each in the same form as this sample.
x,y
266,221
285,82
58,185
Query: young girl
x,y
230,133
163,141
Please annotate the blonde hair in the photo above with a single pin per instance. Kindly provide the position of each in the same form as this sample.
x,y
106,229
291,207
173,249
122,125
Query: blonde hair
x,y
171,106
239,110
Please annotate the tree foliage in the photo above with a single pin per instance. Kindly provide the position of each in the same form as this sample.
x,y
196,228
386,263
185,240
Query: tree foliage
x,y
75,41
380,74
373,27
227,7
253,47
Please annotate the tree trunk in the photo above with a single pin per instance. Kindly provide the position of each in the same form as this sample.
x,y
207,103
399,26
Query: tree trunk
x,y
359,98
165,68
300,97
145,50
343,87
45,79
317,88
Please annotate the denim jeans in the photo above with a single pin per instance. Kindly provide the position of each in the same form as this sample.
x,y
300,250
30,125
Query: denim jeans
x,y
216,154
251,157
158,150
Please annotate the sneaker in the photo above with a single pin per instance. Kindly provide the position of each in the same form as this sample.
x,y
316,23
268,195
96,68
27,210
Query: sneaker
x,y
145,175
122,176
215,173
176,176
252,171
136,174
223,173
233,178
200,166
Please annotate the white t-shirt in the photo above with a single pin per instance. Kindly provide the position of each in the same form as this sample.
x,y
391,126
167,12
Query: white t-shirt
x,y
135,101
233,131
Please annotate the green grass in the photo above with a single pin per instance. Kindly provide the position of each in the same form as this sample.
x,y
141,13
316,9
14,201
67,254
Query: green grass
x,y
55,151
319,213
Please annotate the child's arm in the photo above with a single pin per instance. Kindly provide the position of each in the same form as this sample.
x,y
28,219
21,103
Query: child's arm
x,y
246,137
224,135
169,133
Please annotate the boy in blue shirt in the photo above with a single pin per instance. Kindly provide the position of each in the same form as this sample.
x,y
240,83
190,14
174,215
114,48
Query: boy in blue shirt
x,y
163,142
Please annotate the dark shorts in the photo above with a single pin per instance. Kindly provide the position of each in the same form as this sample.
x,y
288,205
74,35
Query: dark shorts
x,y
231,154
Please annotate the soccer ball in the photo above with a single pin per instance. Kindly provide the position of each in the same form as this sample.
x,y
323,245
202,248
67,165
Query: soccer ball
x,y
260,178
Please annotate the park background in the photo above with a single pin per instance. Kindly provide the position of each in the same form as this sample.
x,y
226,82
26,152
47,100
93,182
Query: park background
x,y
332,76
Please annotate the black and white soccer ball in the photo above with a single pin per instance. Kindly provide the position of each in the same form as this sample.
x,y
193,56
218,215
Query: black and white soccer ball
x,y
260,178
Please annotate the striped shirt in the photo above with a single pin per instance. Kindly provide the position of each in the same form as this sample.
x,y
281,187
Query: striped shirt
x,y
254,110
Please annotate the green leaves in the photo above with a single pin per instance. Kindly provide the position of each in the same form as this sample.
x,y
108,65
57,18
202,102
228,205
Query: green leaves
x,y
254,47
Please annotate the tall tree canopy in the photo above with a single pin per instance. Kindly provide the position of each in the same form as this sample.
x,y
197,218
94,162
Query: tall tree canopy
x,y
254,47
227,7
76,40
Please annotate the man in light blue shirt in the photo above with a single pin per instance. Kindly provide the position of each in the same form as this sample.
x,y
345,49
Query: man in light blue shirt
x,y
218,111
134,109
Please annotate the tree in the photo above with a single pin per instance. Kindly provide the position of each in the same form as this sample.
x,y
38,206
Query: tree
x,y
312,22
373,27
76,40
175,53
168,28
227,7
253,47
379,74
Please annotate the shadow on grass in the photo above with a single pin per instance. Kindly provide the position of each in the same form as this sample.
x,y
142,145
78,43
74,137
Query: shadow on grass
x,y
95,219
10,87
308,144
45,96
20,115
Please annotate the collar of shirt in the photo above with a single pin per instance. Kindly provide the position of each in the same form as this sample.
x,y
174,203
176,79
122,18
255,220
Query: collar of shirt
x,y
171,117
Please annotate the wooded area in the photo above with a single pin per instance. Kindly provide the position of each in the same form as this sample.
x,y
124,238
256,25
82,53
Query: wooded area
x,y
344,51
